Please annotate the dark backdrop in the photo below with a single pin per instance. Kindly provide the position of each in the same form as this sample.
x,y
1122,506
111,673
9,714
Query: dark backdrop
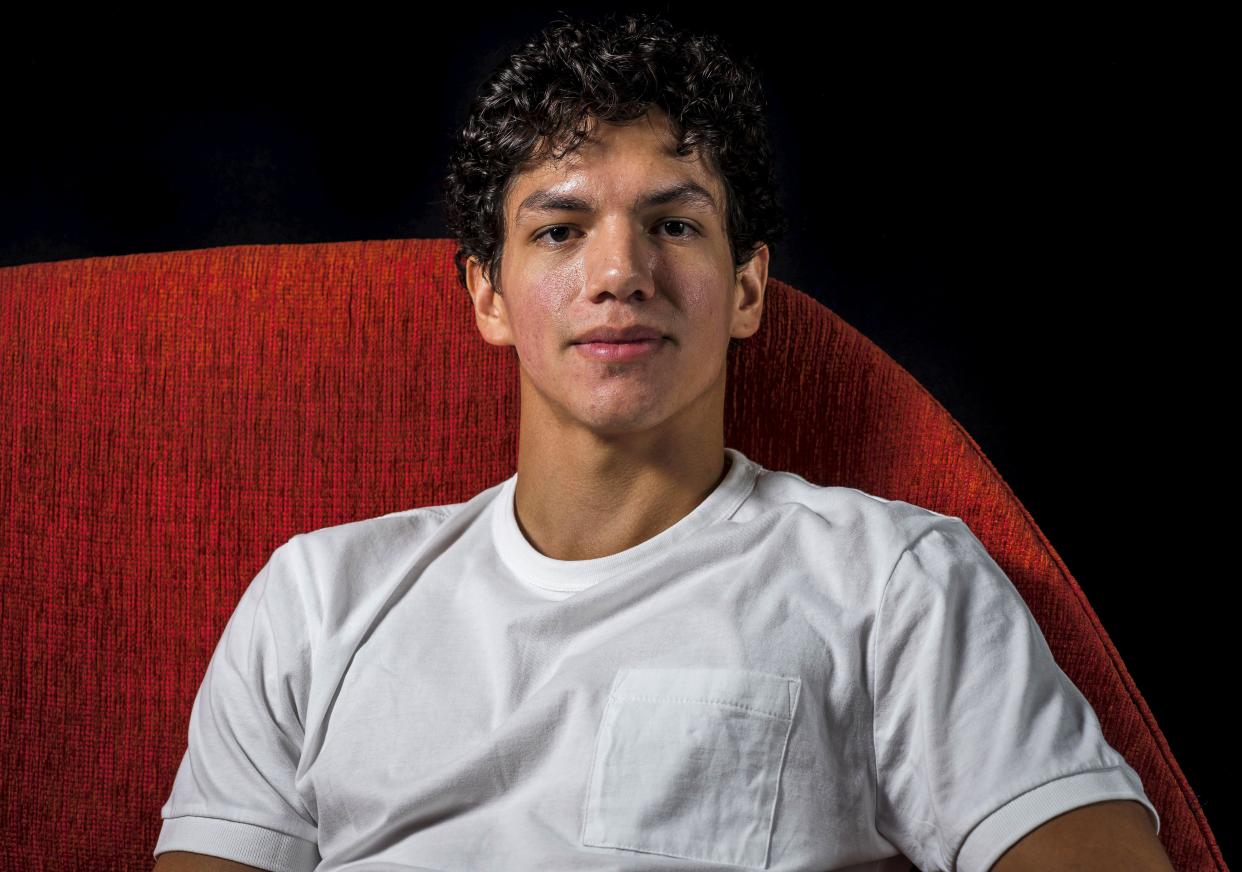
x,y
1019,210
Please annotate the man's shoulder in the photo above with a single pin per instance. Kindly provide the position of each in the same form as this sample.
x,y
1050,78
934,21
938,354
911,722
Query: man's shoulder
x,y
363,542
333,570
851,510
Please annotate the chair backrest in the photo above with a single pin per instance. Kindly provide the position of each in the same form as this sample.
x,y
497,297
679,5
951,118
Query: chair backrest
x,y
171,418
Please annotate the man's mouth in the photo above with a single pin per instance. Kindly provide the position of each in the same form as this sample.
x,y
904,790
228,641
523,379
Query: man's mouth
x,y
633,349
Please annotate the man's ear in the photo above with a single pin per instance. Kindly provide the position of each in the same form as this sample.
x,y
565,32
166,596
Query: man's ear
x,y
752,281
490,315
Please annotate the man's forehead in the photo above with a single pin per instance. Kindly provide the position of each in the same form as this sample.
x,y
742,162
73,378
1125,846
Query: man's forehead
x,y
650,133
565,185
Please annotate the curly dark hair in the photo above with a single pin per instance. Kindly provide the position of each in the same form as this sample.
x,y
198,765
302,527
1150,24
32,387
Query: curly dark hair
x,y
544,96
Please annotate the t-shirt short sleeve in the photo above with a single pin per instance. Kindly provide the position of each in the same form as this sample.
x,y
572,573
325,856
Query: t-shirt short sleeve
x,y
234,794
979,735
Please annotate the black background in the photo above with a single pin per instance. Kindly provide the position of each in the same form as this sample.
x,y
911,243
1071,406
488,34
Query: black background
x,y
1023,211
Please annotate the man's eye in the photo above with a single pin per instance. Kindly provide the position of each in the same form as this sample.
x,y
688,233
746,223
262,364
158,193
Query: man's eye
x,y
559,227
563,228
684,224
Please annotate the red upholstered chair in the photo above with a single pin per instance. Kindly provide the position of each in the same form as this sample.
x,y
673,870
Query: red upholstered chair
x,y
169,419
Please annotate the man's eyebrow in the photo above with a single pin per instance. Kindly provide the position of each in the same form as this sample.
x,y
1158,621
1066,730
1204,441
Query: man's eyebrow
x,y
686,193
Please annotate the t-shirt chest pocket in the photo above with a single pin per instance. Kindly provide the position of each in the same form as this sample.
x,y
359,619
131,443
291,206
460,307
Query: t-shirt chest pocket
x,y
688,761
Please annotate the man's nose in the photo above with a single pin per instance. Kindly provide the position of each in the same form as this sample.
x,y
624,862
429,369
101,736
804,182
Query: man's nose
x,y
618,261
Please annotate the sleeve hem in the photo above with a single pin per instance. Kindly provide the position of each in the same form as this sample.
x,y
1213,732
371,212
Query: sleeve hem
x,y
1004,827
241,842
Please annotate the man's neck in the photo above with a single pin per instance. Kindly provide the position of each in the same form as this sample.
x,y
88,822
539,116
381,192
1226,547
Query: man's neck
x,y
603,499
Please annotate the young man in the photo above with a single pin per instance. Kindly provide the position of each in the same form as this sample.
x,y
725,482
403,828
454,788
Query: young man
x,y
643,650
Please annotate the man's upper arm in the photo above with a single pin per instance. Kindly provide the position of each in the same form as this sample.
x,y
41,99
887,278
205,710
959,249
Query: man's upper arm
x,y
1103,836
980,737
235,794
187,861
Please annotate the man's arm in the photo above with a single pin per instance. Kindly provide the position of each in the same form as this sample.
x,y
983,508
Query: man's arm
x,y
1104,837
187,861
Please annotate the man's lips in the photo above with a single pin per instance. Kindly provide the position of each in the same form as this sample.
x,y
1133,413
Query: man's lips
x,y
620,334
633,349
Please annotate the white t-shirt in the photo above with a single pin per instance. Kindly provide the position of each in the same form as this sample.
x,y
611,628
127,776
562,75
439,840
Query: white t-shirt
x,y
791,677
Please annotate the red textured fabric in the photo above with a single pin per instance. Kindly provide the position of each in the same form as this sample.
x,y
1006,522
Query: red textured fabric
x,y
171,418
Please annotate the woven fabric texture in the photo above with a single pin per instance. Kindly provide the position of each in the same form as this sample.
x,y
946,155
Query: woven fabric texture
x,y
171,418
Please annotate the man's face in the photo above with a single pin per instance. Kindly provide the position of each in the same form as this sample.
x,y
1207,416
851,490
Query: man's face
x,y
584,251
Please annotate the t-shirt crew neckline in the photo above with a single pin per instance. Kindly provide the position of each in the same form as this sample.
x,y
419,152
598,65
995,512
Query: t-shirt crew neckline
x,y
569,576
